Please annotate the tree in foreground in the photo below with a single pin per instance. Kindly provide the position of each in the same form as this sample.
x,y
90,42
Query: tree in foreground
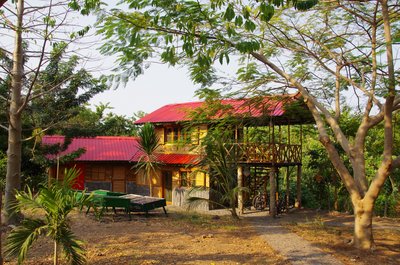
x,y
331,52
29,33
56,202
148,144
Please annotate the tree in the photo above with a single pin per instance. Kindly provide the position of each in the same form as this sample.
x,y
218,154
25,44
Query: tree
x,y
36,30
334,52
148,143
56,201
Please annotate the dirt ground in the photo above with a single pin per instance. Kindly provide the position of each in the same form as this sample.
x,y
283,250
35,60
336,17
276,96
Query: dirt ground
x,y
180,238
332,232
189,238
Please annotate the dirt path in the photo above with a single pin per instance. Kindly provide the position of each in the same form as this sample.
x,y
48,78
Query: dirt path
x,y
295,249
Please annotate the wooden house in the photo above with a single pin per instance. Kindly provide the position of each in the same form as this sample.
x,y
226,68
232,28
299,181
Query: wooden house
x,y
108,162
278,119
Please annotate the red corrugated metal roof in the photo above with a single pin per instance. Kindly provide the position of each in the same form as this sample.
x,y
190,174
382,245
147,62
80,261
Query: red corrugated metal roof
x,y
100,148
113,148
178,159
270,106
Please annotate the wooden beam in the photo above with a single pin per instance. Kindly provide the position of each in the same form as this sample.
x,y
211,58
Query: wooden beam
x,y
240,186
298,188
272,192
287,187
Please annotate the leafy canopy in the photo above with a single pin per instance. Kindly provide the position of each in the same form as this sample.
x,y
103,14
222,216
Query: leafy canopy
x,y
197,33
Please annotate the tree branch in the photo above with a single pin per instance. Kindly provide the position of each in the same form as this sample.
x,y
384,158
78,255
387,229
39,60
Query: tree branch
x,y
36,75
4,127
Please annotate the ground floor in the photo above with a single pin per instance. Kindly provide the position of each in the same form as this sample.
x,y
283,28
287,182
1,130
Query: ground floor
x,y
171,182
270,184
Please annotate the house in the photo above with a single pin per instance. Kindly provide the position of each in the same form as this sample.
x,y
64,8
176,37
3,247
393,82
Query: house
x,y
108,162
277,118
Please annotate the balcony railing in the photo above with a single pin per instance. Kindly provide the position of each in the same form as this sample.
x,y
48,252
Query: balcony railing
x,y
265,153
247,152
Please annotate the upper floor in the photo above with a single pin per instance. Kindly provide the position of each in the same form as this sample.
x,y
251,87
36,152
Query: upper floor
x,y
267,130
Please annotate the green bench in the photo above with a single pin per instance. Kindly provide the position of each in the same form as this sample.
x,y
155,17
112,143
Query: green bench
x,y
104,199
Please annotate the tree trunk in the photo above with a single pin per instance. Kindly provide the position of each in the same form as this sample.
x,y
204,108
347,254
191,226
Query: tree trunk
x,y
336,202
1,230
150,183
363,238
15,123
55,257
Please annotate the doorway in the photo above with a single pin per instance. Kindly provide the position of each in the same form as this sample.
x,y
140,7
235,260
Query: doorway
x,y
118,180
167,185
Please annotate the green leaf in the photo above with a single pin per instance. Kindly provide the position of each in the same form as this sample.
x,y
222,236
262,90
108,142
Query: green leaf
x,y
267,12
229,13
249,25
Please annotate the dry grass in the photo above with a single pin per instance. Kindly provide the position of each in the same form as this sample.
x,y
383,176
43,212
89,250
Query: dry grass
x,y
180,238
333,234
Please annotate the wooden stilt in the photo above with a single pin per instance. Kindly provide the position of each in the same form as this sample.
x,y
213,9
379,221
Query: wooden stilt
x,y
240,185
272,192
298,190
287,187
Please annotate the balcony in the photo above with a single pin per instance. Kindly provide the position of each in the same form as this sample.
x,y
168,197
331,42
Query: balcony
x,y
265,153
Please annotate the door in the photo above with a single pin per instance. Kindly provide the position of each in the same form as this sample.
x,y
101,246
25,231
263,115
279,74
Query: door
x,y
118,179
167,185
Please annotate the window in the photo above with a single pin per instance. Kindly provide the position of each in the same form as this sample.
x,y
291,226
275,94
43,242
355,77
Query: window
x,y
175,135
184,179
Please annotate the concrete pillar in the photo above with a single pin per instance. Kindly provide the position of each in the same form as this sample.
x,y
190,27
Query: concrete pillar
x,y
298,188
272,192
240,185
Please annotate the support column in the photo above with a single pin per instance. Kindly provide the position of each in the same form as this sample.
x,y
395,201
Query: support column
x,y
298,188
240,185
287,188
272,192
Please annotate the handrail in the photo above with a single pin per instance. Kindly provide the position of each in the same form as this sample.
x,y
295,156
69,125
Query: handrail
x,y
264,152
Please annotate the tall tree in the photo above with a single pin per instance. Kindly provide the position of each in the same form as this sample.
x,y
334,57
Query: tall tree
x,y
35,29
335,51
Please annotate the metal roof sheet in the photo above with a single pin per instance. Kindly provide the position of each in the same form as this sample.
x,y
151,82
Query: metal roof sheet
x,y
255,107
100,148
113,148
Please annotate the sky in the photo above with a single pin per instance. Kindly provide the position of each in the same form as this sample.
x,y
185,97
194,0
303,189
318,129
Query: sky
x,y
158,86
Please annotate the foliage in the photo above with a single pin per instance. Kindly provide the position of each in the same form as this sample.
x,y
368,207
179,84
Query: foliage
x,y
3,168
222,168
331,55
97,122
40,34
56,202
148,144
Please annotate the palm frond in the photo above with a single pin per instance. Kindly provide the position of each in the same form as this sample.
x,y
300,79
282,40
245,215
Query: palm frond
x,y
22,237
148,139
72,247
25,200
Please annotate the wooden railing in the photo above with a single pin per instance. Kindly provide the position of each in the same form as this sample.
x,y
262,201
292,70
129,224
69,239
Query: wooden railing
x,y
264,152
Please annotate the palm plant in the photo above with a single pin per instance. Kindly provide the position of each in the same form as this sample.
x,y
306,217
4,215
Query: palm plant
x,y
148,144
56,201
222,167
